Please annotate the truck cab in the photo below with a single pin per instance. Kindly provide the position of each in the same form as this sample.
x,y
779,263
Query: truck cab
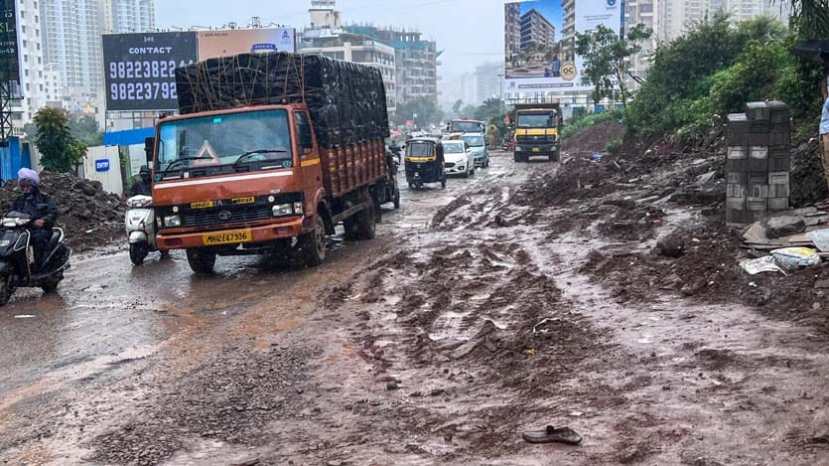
x,y
237,181
537,131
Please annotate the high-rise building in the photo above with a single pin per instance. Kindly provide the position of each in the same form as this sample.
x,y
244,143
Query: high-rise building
x,y
488,79
31,63
676,17
416,61
124,16
646,13
513,27
71,37
536,31
568,30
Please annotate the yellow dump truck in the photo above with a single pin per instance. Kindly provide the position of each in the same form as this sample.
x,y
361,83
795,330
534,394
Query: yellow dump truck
x,y
537,131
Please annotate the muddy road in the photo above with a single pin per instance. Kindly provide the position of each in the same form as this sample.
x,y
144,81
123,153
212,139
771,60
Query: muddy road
x,y
476,315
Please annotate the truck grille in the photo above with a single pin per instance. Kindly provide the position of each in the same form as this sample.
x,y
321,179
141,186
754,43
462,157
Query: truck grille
x,y
211,217
536,140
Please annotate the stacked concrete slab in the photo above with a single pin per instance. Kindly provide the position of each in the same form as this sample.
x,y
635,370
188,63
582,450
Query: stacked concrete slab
x,y
759,161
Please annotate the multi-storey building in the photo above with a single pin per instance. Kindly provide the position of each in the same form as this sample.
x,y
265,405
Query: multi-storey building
x,y
536,31
71,37
568,30
646,13
513,28
53,85
416,61
488,80
30,55
676,17
356,48
124,16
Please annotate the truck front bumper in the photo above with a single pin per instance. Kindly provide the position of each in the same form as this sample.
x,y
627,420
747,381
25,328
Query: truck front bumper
x,y
536,149
259,235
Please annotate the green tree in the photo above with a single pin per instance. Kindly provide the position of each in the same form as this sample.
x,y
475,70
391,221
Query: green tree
x,y
607,57
456,107
59,149
423,111
810,18
678,89
491,109
85,129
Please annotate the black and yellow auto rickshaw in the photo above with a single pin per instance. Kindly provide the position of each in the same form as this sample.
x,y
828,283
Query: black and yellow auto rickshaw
x,y
424,162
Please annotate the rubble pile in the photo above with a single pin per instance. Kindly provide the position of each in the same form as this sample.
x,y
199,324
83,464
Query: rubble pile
x,y
89,216
808,185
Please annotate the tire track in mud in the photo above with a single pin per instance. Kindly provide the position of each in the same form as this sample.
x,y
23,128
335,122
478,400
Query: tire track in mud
x,y
471,339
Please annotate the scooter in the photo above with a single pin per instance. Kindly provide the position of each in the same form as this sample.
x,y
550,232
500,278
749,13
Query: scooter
x,y
17,258
140,223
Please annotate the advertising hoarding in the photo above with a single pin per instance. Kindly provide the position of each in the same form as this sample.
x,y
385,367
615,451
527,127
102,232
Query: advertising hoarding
x,y
540,44
214,44
140,68
9,61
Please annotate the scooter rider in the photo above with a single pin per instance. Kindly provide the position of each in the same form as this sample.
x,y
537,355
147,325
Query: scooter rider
x,y
143,183
40,207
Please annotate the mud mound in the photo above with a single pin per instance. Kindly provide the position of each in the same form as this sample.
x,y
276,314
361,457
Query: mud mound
x,y
594,138
580,178
230,399
808,184
90,216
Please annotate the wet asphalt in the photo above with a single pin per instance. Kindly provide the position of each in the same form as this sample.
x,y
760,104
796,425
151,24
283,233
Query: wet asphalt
x,y
107,310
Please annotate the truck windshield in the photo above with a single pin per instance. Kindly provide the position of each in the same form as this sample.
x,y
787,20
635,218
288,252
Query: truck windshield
x,y
537,120
474,141
220,140
467,127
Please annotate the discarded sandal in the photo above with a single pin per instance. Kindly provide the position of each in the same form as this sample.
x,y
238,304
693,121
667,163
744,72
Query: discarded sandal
x,y
553,435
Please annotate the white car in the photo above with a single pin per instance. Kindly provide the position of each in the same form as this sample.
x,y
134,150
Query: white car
x,y
457,160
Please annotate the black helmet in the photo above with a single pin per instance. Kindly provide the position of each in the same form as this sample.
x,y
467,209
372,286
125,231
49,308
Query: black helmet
x,y
145,171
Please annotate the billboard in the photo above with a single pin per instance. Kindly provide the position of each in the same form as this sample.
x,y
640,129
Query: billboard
x,y
540,43
140,68
214,44
9,62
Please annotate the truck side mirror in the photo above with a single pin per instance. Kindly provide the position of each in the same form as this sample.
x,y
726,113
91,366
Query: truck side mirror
x,y
149,148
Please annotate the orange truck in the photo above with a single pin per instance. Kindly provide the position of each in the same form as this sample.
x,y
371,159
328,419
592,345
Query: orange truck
x,y
269,153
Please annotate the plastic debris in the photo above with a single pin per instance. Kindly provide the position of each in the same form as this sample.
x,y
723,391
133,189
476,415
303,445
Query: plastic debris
x,y
796,258
761,265
821,239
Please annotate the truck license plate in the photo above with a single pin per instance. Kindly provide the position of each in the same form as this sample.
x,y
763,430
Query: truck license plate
x,y
536,149
227,237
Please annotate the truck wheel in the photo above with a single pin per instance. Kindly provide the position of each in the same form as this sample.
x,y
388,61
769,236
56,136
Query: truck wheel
x,y
201,261
313,245
396,198
138,252
557,156
516,157
365,224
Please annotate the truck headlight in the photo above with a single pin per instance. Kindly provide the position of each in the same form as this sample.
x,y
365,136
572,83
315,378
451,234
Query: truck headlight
x,y
172,221
282,210
519,148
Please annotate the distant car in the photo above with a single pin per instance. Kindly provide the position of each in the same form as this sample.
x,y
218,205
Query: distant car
x,y
475,143
458,160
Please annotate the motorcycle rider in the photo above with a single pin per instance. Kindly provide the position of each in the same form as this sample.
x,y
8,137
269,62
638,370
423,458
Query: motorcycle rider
x,y
142,186
40,207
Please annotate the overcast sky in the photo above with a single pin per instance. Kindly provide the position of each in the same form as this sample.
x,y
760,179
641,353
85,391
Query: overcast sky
x,y
470,32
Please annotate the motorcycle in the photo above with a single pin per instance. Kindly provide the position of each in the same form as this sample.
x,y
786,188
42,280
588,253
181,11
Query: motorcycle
x,y
140,223
17,258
